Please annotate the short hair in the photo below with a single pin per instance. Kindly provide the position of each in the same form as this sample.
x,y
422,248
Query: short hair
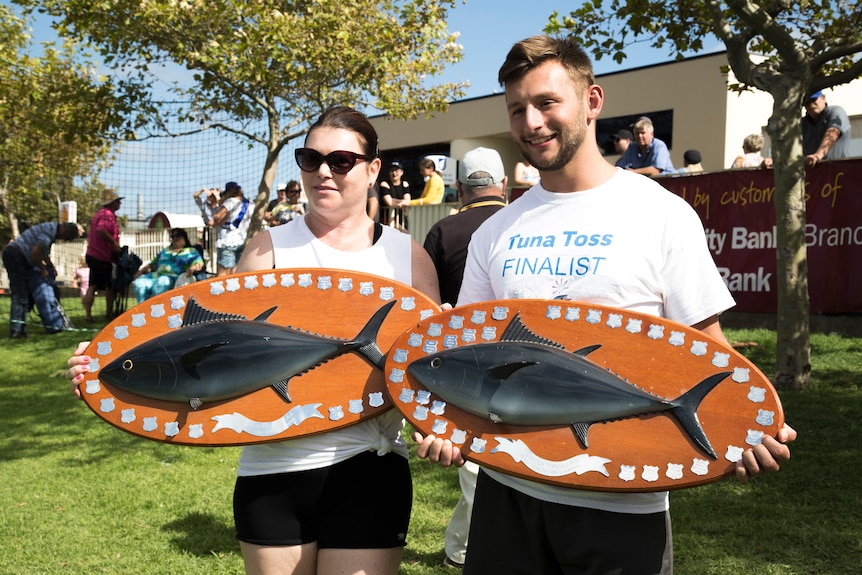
x,y
752,143
536,50
644,124
345,118
182,233
70,230
293,185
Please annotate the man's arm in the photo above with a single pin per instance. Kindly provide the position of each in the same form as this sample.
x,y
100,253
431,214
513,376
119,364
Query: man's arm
x,y
829,138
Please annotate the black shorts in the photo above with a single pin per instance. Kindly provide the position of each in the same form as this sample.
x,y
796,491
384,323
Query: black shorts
x,y
100,273
361,503
514,533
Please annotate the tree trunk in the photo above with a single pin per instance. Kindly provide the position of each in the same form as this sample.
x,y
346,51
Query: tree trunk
x,y
793,350
10,215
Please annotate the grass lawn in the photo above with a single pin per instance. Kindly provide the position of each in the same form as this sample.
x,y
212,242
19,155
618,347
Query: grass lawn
x,y
78,496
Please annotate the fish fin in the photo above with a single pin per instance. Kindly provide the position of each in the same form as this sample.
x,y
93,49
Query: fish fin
x,y
195,402
280,388
366,341
685,410
265,315
585,351
517,331
506,370
581,429
192,359
196,314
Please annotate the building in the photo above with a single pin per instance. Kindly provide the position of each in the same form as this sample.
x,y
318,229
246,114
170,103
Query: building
x,y
687,100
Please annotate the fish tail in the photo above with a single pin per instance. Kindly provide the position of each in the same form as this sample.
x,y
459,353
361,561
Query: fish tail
x,y
366,341
685,410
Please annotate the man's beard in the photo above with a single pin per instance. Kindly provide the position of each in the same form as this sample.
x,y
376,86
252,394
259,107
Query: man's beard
x,y
569,146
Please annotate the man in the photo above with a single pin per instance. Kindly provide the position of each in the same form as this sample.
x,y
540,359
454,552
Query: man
x,y
655,260
232,220
825,131
103,249
622,140
394,193
481,189
31,275
280,198
647,154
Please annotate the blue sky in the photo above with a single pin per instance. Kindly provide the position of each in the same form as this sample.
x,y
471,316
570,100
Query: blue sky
x,y
488,29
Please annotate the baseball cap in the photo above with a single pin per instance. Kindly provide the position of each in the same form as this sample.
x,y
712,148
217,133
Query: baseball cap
x,y
815,95
281,186
481,160
231,186
396,166
692,157
623,135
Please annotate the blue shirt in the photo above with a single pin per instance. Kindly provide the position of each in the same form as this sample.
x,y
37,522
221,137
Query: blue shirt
x,y
40,234
656,155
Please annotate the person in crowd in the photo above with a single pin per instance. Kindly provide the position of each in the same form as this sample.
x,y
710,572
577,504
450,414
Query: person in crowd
x,y
160,275
691,162
287,204
232,219
481,189
434,186
622,140
31,272
825,131
334,502
82,276
394,193
526,176
103,249
280,198
207,201
656,261
647,154
752,144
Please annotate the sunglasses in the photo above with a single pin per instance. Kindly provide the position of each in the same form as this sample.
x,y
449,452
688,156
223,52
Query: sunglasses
x,y
339,161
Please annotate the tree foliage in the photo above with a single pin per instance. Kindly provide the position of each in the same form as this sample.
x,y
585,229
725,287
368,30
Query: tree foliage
x,y
56,118
788,48
281,61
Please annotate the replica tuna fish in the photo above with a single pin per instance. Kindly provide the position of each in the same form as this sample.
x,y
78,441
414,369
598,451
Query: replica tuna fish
x,y
524,379
218,356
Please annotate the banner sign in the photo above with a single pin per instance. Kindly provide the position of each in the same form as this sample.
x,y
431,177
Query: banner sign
x,y
738,215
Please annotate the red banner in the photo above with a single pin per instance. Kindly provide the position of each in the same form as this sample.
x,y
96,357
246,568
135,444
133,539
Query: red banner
x,y
738,216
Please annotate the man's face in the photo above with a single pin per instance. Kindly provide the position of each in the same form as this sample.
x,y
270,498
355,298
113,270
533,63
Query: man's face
x,y
643,137
621,145
815,106
547,116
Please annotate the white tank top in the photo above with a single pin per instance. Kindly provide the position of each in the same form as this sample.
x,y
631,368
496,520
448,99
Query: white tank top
x,y
295,246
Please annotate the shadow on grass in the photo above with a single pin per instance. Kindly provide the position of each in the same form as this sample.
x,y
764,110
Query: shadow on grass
x,y
203,535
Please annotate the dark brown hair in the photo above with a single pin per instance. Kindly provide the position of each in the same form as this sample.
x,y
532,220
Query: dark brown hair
x,y
531,52
349,119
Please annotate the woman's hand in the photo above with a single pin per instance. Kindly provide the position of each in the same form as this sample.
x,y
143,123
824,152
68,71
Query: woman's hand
x,y
79,364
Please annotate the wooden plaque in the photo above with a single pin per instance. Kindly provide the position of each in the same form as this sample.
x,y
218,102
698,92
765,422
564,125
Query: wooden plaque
x,y
252,357
582,395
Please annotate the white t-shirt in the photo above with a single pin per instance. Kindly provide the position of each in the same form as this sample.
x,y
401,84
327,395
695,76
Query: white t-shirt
x,y
295,246
230,235
628,243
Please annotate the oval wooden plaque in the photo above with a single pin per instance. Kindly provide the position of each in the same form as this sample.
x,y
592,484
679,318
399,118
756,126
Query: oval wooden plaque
x,y
233,332
734,404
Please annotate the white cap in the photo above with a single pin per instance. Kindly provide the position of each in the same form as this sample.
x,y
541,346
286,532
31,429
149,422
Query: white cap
x,y
481,160
281,186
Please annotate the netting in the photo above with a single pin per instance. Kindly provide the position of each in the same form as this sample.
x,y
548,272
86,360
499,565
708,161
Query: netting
x,y
161,174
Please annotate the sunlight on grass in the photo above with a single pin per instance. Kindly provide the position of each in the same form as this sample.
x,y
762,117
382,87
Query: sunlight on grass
x,y
80,497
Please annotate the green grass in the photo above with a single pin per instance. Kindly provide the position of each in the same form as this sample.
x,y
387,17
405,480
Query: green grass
x,y
79,497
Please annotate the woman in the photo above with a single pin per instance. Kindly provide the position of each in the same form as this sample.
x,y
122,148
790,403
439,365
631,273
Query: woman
x,y
434,186
336,502
161,274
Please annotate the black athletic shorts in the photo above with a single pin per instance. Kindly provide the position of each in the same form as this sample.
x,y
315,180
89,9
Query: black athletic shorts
x,y
361,503
514,533
100,273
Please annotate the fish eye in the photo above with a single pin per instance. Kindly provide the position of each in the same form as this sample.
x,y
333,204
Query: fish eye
x,y
128,365
436,362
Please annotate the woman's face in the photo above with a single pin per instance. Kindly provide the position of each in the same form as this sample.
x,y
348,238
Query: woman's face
x,y
177,240
338,196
